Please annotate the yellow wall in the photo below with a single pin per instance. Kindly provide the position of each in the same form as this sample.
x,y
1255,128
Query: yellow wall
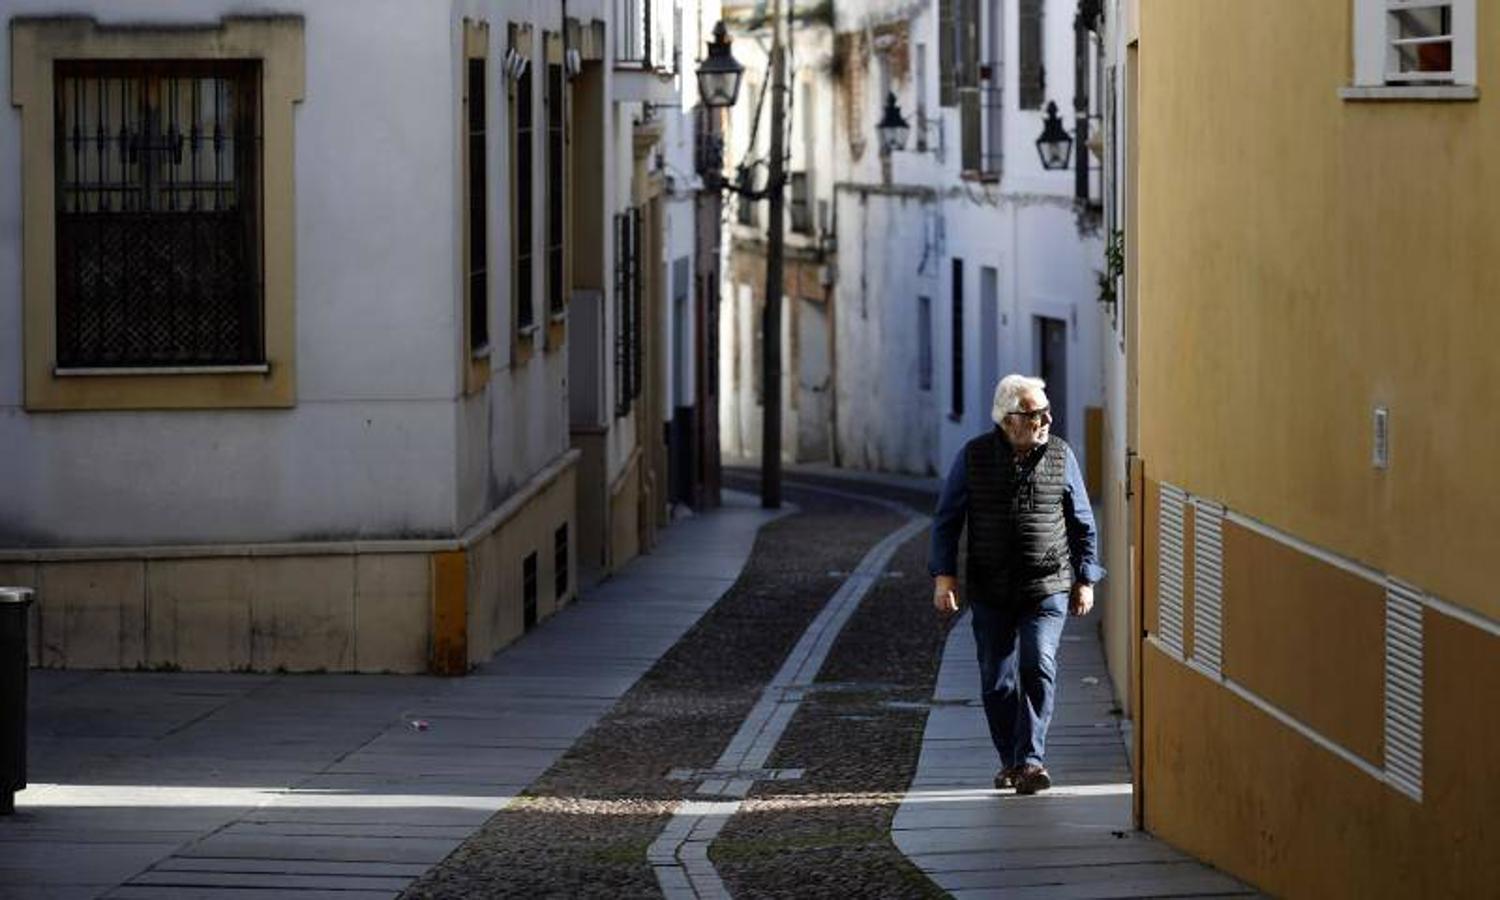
x,y
1304,258
1228,780
1239,789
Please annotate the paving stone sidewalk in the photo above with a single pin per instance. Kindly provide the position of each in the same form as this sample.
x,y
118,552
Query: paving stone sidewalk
x,y
256,786
1074,841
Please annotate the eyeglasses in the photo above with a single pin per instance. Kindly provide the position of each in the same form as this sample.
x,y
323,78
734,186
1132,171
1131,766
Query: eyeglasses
x,y
1034,416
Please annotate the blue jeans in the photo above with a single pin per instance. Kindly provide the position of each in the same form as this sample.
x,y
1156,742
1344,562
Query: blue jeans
x,y
1018,673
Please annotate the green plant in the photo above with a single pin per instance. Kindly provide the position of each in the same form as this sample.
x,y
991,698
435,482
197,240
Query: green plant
x,y
1114,267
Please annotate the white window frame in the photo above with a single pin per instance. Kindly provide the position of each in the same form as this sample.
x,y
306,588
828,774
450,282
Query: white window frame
x,y
1372,45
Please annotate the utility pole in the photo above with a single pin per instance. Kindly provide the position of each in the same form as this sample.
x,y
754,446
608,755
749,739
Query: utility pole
x,y
770,454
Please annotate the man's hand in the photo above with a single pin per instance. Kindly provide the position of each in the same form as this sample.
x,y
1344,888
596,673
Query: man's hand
x,y
1082,600
945,594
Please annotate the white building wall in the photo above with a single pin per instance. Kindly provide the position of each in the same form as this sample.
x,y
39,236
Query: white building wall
x,y
1023,225
516,425
368,450
889,257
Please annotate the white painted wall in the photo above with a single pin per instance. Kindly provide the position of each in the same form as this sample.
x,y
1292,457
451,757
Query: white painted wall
x,y
378,445
811,148
1023,226
367,449
889,256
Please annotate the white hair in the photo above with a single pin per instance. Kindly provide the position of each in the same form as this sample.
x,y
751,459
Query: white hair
x,y
1008,394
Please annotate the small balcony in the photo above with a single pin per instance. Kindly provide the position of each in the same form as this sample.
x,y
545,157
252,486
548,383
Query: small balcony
x,y
648,50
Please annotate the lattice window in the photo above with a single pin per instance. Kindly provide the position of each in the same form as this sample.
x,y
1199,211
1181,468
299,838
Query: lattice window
x,y
478,194
556,183
523,173
158,214
627,309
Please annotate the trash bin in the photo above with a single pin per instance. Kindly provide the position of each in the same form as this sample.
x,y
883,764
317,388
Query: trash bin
x,y
14,605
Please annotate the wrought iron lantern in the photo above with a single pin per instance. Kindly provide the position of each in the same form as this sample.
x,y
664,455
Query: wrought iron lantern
x,y
1055,146
893,129
719,75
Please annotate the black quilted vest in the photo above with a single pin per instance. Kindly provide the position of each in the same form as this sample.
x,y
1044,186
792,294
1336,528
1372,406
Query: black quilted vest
x,y
1018,539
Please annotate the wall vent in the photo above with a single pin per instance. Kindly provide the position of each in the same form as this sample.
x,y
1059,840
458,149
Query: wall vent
x,y
1403,687
560,562
1208,586
1169,569
528,592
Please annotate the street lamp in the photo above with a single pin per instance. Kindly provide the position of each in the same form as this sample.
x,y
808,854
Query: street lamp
x,y
719,85
1055,147
719,75
892,128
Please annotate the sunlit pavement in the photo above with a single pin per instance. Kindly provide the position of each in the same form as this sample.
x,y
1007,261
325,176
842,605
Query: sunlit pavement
x,y
177,785
1075,840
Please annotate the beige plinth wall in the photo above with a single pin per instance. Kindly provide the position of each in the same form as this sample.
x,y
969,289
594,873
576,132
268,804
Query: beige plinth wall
x,y
357,606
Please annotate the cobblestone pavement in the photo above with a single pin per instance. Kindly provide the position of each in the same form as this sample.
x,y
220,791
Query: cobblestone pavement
x,y
583,829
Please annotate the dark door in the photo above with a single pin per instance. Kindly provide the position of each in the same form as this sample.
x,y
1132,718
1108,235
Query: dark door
x,y
1052,367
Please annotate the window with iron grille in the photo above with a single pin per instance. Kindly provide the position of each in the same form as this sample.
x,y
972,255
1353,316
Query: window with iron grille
x,y
528,592
956,411
556,186
1033,79
560,561
479,219
522,176
158,241
627,309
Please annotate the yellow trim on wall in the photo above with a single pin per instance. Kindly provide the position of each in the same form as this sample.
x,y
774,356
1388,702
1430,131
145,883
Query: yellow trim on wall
x,y
36,44
450,619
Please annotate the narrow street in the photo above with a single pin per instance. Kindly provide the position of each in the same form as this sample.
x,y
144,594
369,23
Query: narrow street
x,y
703,724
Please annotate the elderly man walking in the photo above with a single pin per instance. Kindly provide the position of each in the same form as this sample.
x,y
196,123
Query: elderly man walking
x,y
1033,558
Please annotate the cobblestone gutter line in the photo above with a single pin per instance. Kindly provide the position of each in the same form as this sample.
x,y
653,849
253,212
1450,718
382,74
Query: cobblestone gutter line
x,y
583,828
857,736
680,854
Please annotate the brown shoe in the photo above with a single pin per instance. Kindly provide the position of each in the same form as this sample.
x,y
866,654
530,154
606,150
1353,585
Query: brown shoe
x,y
1006,777
1032,778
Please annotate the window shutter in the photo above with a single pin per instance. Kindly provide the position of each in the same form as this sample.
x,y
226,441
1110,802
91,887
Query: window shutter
x,y
970,124
947,95
970,136
1033,77
969,34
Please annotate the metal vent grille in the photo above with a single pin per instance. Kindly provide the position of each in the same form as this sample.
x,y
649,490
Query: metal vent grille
x,y
1403,687
1169,588
1208,585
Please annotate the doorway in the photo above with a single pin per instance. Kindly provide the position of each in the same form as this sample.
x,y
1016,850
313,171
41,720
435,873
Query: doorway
x,y
989,334
1052,366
